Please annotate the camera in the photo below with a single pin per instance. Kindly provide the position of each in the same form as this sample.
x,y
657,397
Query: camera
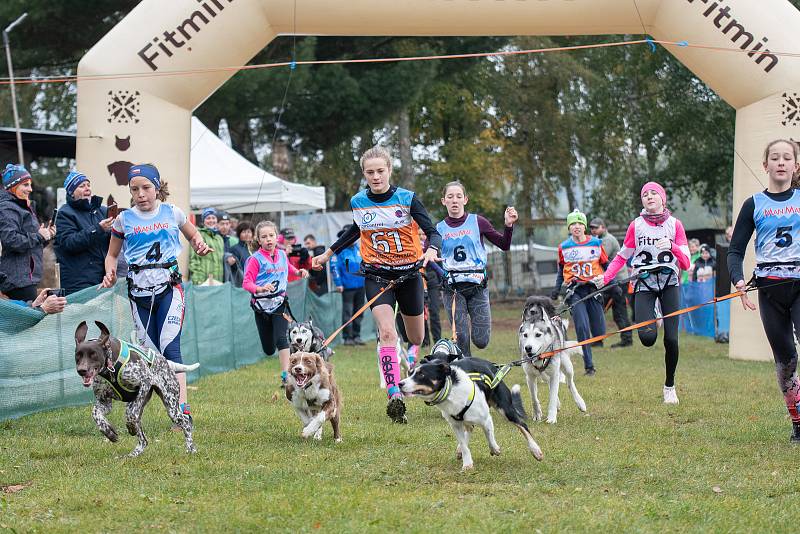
x,y
57,292
297,250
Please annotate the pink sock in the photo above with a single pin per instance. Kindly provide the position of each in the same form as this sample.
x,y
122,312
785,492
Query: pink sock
x,y
390,367
791,402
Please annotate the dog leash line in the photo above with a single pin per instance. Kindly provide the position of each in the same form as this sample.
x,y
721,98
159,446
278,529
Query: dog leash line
x,y
389,285
676,313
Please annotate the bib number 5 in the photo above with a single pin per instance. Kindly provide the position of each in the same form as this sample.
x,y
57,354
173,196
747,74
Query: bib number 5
x,y
783,236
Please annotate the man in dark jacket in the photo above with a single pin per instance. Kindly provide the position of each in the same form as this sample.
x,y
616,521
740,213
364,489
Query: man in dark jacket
x,y
22,236
84,231
317,280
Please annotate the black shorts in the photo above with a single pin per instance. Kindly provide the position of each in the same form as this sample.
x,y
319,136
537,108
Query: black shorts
x,y
409,294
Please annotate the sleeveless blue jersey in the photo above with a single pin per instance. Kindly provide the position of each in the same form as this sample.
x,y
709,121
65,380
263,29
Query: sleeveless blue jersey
x,y
272,273
462,250
150,238
777,236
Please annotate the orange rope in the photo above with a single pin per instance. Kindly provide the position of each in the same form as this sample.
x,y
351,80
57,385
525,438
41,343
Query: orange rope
x,y
682,311
191,72
356,314
102,77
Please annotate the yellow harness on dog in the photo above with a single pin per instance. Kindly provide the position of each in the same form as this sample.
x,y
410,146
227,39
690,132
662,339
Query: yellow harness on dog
x,y
111,373
440,397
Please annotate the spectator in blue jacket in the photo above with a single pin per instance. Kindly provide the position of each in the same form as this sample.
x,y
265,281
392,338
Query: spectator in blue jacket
x,y
84,231
351,286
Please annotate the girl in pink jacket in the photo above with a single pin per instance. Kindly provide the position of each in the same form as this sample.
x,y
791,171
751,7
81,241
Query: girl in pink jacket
x,y
657,243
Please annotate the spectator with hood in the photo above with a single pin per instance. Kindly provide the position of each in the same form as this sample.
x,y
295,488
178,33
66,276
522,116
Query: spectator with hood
x,y
203,268
22,235
84,231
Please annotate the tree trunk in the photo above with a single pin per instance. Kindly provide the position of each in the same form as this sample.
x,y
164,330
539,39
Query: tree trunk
x,y
242,138
406,159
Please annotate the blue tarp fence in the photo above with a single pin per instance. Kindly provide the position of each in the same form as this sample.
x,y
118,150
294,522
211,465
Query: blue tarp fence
x,y
709,321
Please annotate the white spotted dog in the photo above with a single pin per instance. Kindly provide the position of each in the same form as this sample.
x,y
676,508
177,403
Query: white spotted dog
x,y
463,391
311,389
305,337
117,370
542,331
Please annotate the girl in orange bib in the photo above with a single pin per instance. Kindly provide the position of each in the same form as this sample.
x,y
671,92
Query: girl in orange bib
x,y
387,219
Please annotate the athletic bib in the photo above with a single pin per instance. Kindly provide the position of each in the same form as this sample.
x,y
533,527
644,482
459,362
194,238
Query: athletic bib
x,y
462,250
389,234
777,236
150,240
647,255
581,260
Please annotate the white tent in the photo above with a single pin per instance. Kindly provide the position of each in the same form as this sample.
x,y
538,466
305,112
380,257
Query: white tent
x,y
221,177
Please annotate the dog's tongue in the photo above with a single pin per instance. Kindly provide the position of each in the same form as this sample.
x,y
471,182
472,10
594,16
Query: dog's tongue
x,y
300,379
87,380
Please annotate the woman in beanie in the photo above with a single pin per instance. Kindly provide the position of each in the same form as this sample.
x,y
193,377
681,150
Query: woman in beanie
x,y
657,243
151,230
22,236
84,231
581,260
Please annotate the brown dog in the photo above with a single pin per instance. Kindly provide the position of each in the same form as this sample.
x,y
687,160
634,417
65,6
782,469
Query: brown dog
x,y
311,389
117,370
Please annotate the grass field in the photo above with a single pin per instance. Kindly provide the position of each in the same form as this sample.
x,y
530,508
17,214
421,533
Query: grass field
x,y
719,462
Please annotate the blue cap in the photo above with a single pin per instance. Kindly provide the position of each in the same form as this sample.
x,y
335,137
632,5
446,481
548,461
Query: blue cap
x,y
14,174
145,170
73,180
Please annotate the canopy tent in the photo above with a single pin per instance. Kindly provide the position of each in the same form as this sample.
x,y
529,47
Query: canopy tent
x,y
221,177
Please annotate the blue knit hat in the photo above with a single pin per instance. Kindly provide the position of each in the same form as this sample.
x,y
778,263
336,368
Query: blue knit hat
x,y
145,170
73,180
14,174
209,211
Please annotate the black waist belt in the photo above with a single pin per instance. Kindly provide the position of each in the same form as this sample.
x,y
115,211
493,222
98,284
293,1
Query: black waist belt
x,y
136,268
777,264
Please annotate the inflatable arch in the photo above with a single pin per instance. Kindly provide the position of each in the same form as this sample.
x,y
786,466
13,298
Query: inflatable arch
x,y
136,119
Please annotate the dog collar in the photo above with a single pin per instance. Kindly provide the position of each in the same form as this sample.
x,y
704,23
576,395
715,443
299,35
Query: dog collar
x,y
443,393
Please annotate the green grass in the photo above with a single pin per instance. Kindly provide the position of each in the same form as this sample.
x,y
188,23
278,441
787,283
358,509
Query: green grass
x,y
632,464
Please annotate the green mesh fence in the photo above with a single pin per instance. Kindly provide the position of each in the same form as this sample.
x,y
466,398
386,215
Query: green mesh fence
x,y
37,362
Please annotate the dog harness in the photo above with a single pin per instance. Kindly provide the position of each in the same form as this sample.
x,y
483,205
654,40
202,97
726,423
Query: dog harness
x,y
490,382
111,373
